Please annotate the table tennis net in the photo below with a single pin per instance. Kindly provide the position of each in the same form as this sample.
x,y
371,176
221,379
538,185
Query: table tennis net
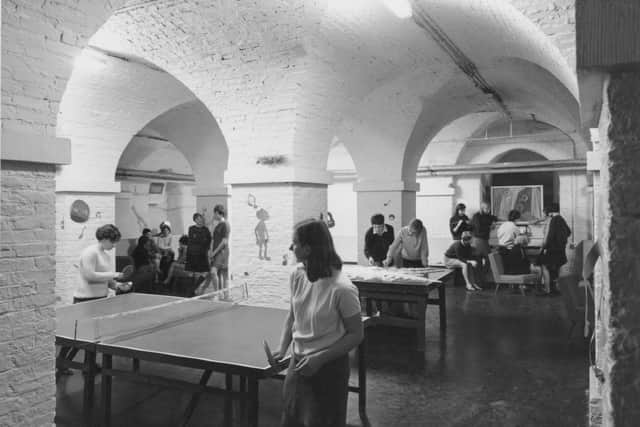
x,y
113,327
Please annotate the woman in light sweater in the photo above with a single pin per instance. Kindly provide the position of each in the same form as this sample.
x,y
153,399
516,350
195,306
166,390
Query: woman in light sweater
x,y
97,273
412,245
322,326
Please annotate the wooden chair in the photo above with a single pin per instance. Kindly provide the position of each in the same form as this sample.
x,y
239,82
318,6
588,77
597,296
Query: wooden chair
x,y
497,268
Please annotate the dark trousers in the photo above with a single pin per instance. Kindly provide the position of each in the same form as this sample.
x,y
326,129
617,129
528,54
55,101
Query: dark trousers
x,y
319,400
412,263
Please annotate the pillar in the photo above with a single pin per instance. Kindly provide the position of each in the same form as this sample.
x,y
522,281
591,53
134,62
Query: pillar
x,y
396,200
575,204
620,351
434,205
276,206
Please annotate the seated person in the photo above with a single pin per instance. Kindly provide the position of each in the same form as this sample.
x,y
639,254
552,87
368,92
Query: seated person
x,y
460,256
177,267
143,257
164,243
377,240
508,231
412,245
516,260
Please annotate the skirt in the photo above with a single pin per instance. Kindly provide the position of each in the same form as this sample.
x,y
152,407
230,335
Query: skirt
x,y
319,400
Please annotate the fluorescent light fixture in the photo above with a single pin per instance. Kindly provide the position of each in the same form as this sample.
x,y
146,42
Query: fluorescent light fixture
x,y
401,8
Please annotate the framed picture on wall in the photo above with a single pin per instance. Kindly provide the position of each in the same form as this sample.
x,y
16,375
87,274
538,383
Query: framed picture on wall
x,y
525,198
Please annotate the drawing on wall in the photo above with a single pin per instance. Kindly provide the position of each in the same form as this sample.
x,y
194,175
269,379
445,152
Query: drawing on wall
x,y
526,199
79,211
262,234
142,224
261,231
328,219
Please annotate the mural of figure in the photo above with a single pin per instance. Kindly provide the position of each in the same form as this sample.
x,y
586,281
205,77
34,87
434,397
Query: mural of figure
x,y
262,234
328,219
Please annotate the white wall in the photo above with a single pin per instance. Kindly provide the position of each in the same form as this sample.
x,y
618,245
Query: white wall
x,y
342,203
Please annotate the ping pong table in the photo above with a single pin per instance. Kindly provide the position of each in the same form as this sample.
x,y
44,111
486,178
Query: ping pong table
x,y
210,336
404,285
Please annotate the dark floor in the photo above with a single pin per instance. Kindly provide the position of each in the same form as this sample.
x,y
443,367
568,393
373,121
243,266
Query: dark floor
x,y
505,361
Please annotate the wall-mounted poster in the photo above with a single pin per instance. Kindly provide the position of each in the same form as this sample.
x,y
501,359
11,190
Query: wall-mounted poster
x,y
527,199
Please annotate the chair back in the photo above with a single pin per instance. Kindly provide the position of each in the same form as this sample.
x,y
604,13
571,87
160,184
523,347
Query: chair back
x,y
495,261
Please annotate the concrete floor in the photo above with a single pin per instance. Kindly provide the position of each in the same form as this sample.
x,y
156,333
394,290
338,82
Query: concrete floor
x,y
505,361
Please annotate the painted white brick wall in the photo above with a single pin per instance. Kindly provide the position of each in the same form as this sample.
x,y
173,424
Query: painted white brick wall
x,y
286,204
27,273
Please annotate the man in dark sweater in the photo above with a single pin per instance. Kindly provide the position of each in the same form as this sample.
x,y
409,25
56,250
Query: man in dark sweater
x,y
481,224
460,256
377,240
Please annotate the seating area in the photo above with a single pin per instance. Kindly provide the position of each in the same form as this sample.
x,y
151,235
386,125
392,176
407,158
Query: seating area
x,y
520,280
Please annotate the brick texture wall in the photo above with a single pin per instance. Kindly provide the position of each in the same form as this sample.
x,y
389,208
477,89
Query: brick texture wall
x,y
621,317
27,273
286,204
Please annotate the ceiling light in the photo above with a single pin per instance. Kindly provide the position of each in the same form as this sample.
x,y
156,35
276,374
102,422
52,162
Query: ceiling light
x,y
401,8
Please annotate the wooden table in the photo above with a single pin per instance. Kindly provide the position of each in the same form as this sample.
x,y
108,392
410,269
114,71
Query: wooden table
x,y
403,285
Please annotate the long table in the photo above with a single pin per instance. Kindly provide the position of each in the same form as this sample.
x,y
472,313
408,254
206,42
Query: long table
x,y
404,285
209,336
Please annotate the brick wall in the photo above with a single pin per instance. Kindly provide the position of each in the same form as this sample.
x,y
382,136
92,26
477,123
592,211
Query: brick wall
x,y
620,314
27,273
286,204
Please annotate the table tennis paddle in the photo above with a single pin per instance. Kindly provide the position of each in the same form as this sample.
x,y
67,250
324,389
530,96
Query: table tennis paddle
x,y
126,273
270,358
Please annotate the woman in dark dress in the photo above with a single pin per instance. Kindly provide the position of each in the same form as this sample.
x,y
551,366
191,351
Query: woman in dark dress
x,y
553,252
143,257
198,246
459,222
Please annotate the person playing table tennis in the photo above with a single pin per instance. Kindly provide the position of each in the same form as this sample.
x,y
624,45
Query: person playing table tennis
x,y
323,325
97,273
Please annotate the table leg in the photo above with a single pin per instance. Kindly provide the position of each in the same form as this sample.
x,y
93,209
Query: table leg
x,y
89,373
228,402
253,402
442,302
362,379
107,360
135,365
421,322
243,390
204,379
369,306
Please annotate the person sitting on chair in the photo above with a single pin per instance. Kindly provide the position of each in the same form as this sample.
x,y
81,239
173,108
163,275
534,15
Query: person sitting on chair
x,y
143,257
460,256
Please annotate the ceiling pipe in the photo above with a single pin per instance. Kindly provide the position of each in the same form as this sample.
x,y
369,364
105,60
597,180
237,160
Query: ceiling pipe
x,y
425,21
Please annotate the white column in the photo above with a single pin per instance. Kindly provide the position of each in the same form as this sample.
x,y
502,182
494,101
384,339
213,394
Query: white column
x,y
396,200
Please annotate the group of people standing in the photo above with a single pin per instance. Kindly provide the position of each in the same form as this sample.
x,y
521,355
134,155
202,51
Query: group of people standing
x,y
208,252
470,248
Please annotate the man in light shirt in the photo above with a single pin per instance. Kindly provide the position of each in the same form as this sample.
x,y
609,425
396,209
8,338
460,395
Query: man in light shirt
x,y
508,231
412,246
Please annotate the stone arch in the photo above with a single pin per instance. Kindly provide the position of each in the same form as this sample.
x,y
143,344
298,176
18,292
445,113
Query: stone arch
x,y
557,107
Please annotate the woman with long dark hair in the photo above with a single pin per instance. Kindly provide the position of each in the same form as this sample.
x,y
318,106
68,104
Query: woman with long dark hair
x,y
323,325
